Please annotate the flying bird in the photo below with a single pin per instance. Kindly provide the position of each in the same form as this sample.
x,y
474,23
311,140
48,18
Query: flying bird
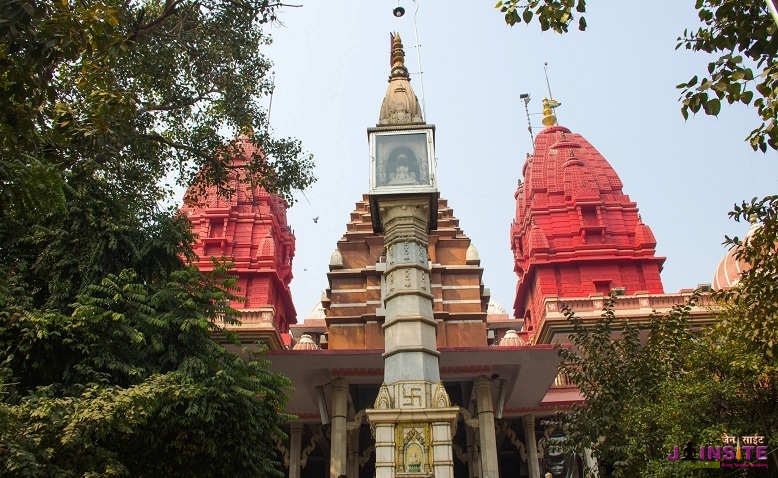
x,y
316,219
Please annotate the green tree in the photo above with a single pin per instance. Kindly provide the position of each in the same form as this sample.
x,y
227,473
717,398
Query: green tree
x,y
652,388
620,368
108,367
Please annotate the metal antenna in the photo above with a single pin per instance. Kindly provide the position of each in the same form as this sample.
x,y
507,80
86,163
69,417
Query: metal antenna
x,y
550,96
418,59
526,98
398,12
270,106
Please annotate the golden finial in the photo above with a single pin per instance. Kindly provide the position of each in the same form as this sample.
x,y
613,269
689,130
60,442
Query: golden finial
x,y
246,131
549,119
397,58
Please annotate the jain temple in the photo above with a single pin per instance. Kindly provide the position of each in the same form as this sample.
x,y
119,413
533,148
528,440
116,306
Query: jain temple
x,y
406,368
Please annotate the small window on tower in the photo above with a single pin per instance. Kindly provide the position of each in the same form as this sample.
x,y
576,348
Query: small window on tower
x,y
589,216
217,228
603,287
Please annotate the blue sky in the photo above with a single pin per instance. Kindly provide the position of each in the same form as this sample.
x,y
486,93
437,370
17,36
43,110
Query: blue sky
x,y
616,83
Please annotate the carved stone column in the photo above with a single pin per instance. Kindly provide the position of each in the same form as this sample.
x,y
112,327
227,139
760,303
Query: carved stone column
x,y
338,448
410,342
473,470
295,448
442,453
353,453
532,445
412,416
486,436
384,449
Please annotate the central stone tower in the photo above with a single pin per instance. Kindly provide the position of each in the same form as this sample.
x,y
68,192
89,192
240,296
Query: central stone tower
x,y
412,418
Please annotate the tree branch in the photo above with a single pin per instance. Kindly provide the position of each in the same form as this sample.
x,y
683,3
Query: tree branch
x,y
173,144
170,10
171,106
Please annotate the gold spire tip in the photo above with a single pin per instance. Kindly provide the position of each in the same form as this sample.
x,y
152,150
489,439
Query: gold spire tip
x,y
549,118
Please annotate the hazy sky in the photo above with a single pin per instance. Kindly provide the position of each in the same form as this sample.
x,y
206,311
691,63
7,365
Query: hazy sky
x,y
616,83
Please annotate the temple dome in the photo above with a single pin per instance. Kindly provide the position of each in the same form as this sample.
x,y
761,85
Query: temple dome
x,y
472,254
400,105
511,339
306,343
730,267
494,307
336,259
316,313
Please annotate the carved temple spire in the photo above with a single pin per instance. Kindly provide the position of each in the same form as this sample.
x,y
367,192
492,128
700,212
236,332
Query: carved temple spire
x,y
397,59
400,105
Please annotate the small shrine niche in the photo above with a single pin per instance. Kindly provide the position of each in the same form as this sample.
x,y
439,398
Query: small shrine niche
x,y
402,160
413,450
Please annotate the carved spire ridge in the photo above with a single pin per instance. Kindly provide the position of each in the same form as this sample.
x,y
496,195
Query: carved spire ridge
x,y
400,104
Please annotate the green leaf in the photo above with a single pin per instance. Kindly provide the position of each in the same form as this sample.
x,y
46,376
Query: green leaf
x,y
527,15
712,107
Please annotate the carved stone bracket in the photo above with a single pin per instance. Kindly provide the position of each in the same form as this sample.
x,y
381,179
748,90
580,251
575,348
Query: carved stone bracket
x,y
357,422
311,446
470,421
281,448
461,455
366,455
515,441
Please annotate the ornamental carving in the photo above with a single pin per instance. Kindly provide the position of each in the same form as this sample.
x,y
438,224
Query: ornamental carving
x,y
440,397
384,400
413,448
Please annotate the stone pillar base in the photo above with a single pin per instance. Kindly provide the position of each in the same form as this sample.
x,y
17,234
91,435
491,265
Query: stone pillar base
x,y
414,443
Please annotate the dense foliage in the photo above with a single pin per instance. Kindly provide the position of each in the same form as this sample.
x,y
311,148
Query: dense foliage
x,y
107,367
651,387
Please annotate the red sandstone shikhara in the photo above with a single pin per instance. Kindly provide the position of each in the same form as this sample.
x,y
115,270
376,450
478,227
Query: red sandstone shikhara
x,y
576,238
576,233
249,229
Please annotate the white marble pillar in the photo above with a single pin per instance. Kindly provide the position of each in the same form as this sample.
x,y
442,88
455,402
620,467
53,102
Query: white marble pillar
x,y
384,450
338,437
532,445
442,452
486,436
295,448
